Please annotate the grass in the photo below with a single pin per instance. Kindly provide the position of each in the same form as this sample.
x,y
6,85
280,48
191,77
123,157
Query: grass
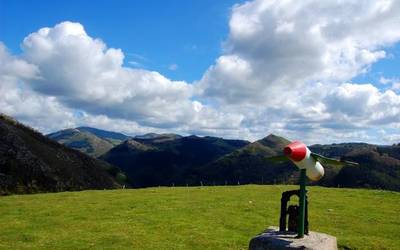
x,y
190,218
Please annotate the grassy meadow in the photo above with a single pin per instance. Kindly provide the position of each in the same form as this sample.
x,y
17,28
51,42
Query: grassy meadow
x,y
224,217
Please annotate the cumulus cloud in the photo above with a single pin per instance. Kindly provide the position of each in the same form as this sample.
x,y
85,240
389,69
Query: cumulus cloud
x,y
363,103
275,46
81,72
17,98
286,68
286,65
64,77
47,114
12,68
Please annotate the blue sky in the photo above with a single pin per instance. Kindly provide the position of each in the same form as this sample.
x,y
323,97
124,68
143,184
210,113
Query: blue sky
x,y
388,67
154,33
143,29
319,71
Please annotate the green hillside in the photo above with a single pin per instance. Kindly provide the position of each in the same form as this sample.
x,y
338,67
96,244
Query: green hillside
x,y
85,142
250,164
107,135
168,159
379,165
379,168
190,218
91,141
31,162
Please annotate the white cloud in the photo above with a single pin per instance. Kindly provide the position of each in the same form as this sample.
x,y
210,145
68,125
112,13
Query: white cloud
x,y
364,104
12,68
276,46
286,68
285,64
394,82
63,71
81,72
384,80
17,99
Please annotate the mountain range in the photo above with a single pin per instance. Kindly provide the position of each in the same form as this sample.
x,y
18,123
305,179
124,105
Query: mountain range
x,y
170,159
89,158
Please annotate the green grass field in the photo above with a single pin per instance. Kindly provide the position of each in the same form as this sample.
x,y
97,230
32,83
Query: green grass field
x,y
191,218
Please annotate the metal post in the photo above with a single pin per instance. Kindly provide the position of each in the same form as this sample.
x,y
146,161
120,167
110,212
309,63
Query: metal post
x,y
302,203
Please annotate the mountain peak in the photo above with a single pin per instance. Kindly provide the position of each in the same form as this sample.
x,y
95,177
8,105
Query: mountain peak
x,y
104,133
133,144
92,141
274,139
273,142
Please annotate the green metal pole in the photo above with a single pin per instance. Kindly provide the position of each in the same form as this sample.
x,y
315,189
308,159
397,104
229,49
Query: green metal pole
x,y
302,204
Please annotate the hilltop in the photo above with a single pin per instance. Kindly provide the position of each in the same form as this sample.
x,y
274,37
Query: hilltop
x,y
31,162
250,165
91,141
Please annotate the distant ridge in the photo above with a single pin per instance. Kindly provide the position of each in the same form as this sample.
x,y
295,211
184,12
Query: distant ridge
x,y
104,133
249,164
379,165
30,162
91,141
155,135
170,159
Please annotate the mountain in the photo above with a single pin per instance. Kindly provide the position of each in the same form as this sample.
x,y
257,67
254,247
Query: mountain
x,y
340,149
170,159
250,165
167,160
104,134
154,136
379,165
91,141
31,162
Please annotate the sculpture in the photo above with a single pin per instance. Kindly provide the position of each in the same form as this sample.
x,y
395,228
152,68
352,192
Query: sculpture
x,y
310,165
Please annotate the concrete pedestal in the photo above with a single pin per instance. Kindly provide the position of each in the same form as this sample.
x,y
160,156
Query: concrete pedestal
x,y
272,239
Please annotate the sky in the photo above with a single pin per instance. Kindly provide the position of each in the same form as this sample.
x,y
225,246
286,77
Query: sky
x,y
153,34
316,71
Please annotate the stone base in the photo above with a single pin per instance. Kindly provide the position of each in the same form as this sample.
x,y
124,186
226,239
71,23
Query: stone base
x,y
272,239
